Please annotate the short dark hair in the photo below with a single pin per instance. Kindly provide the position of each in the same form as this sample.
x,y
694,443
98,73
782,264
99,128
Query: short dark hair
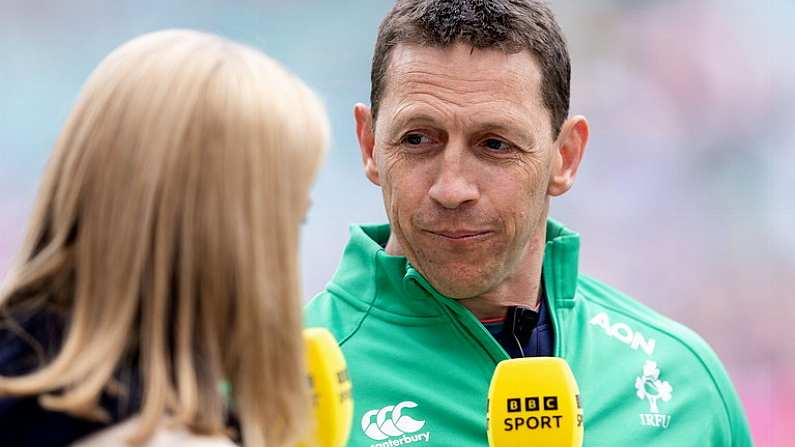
x,y
509,25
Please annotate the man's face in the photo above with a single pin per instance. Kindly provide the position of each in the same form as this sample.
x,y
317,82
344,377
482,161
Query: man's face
x,y
464,153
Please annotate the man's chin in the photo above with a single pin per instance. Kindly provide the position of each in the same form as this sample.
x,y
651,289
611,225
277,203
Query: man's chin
x,y
459,277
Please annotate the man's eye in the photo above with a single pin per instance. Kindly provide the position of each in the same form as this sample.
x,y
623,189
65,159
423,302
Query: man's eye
x,y
416,139
496,145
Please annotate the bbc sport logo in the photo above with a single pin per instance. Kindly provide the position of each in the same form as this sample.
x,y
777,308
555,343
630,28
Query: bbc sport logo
x,y
533,405
390,422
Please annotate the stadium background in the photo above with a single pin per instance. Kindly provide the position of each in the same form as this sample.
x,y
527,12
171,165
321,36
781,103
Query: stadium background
x,y
684,200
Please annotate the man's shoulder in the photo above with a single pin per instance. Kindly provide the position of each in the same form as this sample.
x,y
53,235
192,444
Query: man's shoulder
x,y
672,346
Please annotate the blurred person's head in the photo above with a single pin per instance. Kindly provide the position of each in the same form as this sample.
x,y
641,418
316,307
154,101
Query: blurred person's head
x,y
166,230
469,136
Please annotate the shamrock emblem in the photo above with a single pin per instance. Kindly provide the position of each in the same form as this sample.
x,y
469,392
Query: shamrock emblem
x,y
650,387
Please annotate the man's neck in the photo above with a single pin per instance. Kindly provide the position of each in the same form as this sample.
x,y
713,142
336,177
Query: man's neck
x,y
522,287
493,305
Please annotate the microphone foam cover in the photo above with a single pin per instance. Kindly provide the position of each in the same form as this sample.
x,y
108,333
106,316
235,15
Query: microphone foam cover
x,y
331,390
534,402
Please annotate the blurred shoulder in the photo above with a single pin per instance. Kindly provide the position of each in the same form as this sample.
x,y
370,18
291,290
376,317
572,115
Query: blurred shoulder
x,y
165,436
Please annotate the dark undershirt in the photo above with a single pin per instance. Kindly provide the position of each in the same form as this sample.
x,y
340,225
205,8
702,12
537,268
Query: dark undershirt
x,y
540,343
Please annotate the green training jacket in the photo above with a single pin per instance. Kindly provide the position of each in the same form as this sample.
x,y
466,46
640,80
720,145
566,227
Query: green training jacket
x,y
421,363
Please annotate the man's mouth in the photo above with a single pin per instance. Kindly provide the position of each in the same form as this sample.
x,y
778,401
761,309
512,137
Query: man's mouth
x,y
460,235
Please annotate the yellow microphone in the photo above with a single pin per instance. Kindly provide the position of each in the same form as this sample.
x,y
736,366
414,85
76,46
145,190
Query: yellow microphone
x,y
331,390
534,402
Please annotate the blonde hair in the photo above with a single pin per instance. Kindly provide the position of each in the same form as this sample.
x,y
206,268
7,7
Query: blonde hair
x,y
167,226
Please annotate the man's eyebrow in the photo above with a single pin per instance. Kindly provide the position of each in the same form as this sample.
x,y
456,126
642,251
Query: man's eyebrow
x,y
406,116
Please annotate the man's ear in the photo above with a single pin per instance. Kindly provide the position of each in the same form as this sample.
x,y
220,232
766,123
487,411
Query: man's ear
x,y
569,149
366,136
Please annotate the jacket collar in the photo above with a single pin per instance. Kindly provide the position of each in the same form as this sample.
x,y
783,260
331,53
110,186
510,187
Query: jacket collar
x,y
561,260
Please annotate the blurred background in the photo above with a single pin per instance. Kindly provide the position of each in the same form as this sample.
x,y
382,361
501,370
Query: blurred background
x,y
684,201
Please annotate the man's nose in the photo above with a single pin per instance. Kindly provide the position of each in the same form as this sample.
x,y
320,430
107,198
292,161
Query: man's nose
x,y
454,185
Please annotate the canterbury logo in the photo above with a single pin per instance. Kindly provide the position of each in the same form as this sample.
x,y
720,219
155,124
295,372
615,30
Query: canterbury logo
x,y
390,421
